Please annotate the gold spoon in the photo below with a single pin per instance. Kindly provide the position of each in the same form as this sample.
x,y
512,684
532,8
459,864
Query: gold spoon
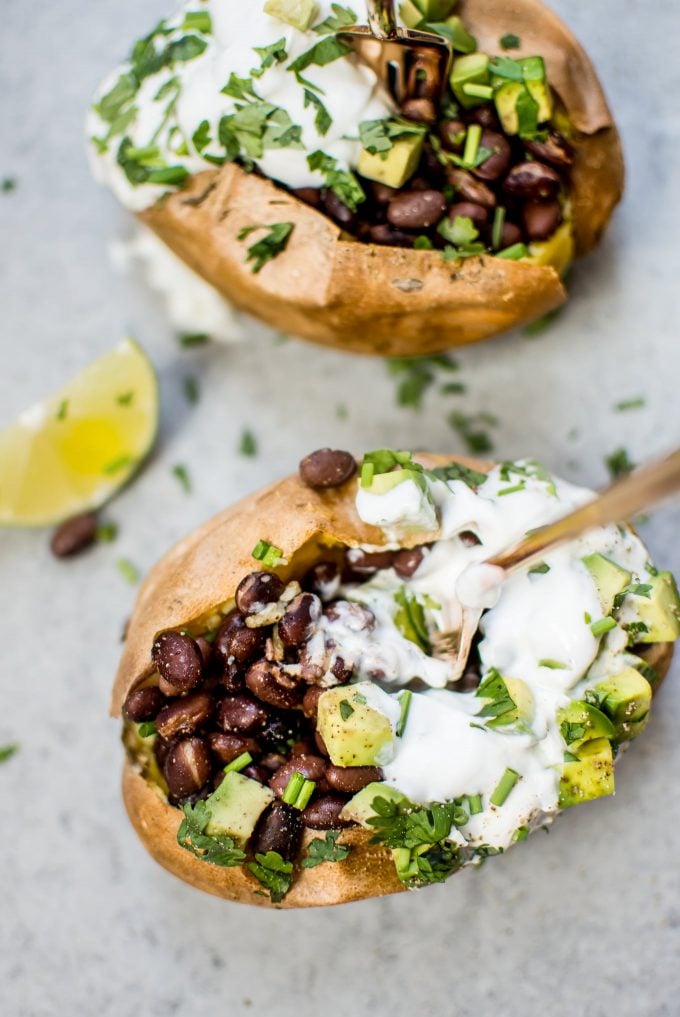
x,y
412,67
622,500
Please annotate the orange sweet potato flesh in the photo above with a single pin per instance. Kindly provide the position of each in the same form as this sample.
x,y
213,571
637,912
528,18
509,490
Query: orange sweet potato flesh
x,y
331,289
196,576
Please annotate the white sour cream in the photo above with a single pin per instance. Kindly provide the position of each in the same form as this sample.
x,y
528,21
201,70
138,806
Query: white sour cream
x,y
346,89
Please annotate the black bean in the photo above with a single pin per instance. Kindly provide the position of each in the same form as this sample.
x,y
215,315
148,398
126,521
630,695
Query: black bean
x,y
256,772
356,617
510,234
341,671
413,210
469,188
367,562
423,110
554,150
323,579
320,743
452,134
272,761
179,661
485,116
233,677
532,180
187,767
160,750
143,704
338,210
279,829
351,779
310,195
206,650
185,715
327,468
478,213
407,561
310,701
281,729
541,218
311,767
300,620
241,714
324,813
468,538
389,236
497,163
257,590
268,681
228,746
381,193
304,747
74,535
235,639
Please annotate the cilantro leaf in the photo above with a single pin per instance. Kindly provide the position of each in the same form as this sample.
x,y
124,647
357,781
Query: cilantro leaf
x,y
572,732
7,751
321,54
467,426
456,471
410,619
418,837
270,55
323,119
510,41
342,182
619,463
342,17
275,874
416,375
270,246
378,136
192,836
326,850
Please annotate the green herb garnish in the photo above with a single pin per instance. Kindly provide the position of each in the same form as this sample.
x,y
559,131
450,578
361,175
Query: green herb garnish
x,y
598,628
189,339
239,763
8,185
63,410
410,619
322,53
619,463
554,665
270,246
200,21
342,17
572,732
7,751
540,569
343,183
217,850
456,471
275,874
538,327
248,444
417,836
326,850
106,533
416,375
405,698
322,119
181,474
128,571
146,729
346,709
191,389
504,787
510,41
467,426
125,398
378,136
267,553
635,403
116,465
270,55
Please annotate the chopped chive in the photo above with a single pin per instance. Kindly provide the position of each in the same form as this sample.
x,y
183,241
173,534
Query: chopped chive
x,y
619,463
405,698
239,763
346,709
599,628
117,464
497,228
7,751
106,533
168,175
367,471
635,403
478,92
146,729
475,804
181,473
199,21
521,833
472,140
504,787
512,490
248,444
189,339
267,553
8,184
293,788
540,569
191,389
587,618
306,792
554,665
63,410
125,398
514,252
128,571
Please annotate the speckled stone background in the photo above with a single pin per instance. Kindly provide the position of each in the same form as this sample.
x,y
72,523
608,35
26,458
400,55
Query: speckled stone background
x,y
586,920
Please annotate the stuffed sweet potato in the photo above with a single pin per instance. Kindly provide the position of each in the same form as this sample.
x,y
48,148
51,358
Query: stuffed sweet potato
x,y
293,735
259,150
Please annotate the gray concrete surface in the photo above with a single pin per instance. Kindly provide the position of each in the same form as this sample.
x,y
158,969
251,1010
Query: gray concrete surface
x,y
586,920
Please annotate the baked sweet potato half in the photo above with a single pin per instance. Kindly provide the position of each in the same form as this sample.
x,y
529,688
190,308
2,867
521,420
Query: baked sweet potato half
x,y
347,224
293,738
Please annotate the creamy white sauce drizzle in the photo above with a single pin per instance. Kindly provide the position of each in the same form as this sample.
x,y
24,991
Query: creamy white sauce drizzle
x,y
347,89
537,631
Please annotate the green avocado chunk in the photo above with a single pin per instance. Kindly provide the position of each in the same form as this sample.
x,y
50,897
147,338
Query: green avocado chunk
x,y
609,578
296,13
354,733
360,807
396,167
626,699
506,701
236,806
537,85
435,10
660,612
590,775
580,722
470,69
410,14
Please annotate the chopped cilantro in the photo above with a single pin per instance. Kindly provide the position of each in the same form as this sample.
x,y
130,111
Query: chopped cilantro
x,y
270,246
189,339
62,410
275,874
146,729
248,444
192,836
322,119
270,55
342,17
405,698
326,850
462,234
510,41
540,569
468,427
619,463
346,709
343,183
128,571
378,136
181,474
410,619
322,53
572,732
267,553
416,375
106,533
456,471
7,751
8,185
191,389
125,398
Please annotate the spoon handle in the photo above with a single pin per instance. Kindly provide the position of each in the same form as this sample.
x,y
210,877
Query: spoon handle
x,y
381,18
619,502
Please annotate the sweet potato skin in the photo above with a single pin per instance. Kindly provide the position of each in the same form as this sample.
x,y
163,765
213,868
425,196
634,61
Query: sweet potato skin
x,y
203,570
333,290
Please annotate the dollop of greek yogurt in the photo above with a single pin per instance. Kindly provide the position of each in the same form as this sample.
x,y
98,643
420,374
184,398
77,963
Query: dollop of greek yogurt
x,y
537,627
161,114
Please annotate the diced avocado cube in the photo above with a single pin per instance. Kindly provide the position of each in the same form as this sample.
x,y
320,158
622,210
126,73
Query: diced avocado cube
x,y
506,701
435,10
354,732
506,97
396,166
590,775
626,699
580,722
385,482
461,40
660,612
557,251
470,69
537,86
236,806
297,13
609,578
410,14
360,807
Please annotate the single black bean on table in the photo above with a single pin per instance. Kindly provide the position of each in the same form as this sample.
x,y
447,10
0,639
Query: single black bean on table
x,y
74,535
327,468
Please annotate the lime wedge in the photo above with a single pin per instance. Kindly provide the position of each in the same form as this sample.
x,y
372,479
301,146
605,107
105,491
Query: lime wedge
x,y
73,451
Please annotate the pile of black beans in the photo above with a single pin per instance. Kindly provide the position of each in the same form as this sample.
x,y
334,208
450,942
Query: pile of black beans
x,y
525,177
